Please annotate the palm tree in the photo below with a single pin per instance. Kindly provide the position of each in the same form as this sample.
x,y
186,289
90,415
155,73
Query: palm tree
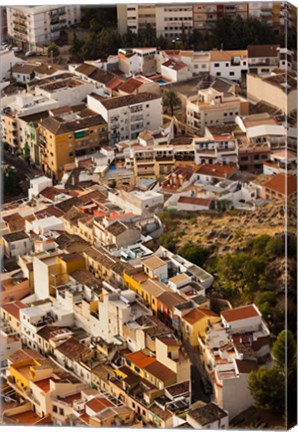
x,y
171,101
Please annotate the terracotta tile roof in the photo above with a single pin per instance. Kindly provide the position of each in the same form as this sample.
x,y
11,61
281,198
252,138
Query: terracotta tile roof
x,y
114,83
15,222
85,418
121,101
49,211
262,51
43,384
71,257
23,69
196,201
51,192
140,359
85,69
174,65
57,126
130,85
197,314
226,55
217,170
62,110
240,313
72,348
117,228
71,398
246,366
283,184
25,418
170,299
15,236
99,404
25,354
154,287
160,371
48,332
161,413
182,277
14,308
169,341
154,262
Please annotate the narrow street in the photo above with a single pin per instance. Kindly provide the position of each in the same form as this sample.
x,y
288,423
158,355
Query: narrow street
x,y
29,171
197,372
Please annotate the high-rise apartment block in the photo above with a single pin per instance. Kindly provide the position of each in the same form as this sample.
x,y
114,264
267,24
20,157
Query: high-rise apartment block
x,y
168,20
33,26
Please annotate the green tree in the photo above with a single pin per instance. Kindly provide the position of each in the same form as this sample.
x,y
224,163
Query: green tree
x,y
171,101
266,302
267,386
284,350
194,253
183,37
168,241
76,47
53,50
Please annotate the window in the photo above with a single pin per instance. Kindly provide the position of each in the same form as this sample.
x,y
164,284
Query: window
x,y
216,64
61,411
70,154
232,73
55,408
218,73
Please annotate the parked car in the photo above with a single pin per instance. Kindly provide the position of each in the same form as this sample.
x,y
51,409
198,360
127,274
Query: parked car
x,y
30,54
17,49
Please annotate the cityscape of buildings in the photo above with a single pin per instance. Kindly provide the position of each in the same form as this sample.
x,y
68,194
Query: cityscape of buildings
x,y
102,323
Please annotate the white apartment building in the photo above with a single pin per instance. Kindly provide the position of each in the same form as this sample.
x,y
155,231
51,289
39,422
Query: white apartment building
x,y
33,26
65,88
137,61
223,150
33,318
127,116
137,202
228,64
210,108
116,309
171,18
167,19
37,185
7,61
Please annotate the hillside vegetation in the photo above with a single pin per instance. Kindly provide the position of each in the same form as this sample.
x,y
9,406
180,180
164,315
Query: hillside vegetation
x,y
245,252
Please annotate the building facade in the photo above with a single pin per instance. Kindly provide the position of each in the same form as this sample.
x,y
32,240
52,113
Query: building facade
x,y
33,26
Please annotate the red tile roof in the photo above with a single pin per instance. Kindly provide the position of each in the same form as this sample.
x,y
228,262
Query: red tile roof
x,y
217,170
130,85
240,313
174,65
14,308
43,384
140,359
99,404
69,399
197,314
196,201
160,371
283,184
170,341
